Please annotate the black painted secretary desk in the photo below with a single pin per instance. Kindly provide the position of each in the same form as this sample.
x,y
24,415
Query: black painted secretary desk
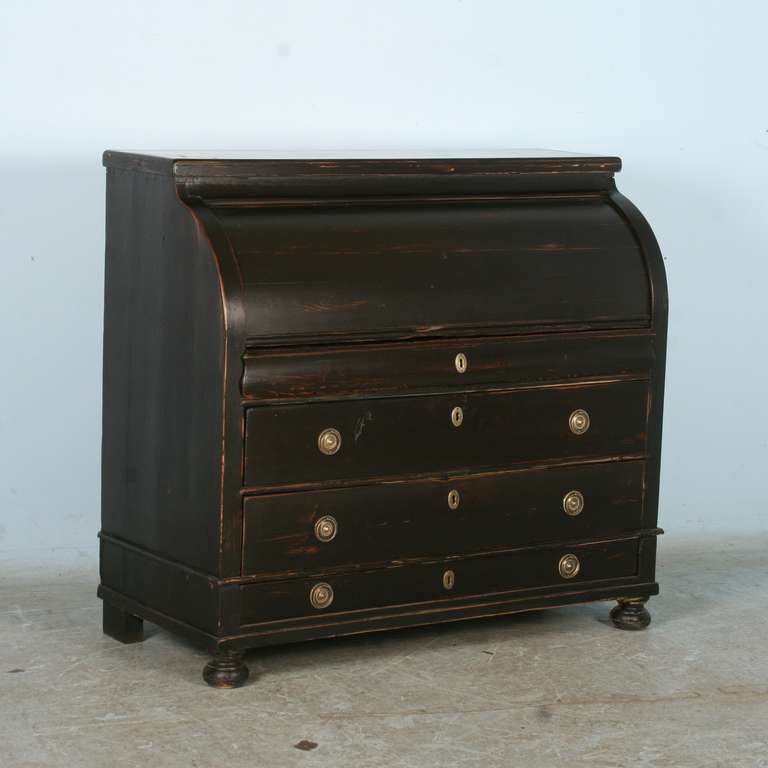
x,y
349,395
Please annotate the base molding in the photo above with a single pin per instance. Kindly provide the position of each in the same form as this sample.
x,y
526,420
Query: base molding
x,y
257,636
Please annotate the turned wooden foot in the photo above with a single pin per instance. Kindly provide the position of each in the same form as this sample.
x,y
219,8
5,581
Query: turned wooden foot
x,y
631,613
226,670
121,625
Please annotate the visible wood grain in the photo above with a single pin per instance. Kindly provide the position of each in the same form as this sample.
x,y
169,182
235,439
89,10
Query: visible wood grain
x,y
210,176
333,372
163,374
411,435
159,583
251,303
410,584
399,520
392,617
229,440
406,272
659,316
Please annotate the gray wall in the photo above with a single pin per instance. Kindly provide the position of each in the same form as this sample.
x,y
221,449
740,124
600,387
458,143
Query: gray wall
x,y
677,89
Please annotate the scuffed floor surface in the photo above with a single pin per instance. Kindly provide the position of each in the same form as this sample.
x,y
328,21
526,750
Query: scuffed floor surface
x,y
556,688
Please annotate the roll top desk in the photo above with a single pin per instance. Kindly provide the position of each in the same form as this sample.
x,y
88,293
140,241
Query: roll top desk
x,y
353,395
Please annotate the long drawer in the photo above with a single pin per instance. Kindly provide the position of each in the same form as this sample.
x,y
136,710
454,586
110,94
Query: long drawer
x,y
314,530
552,567
356,440
367,370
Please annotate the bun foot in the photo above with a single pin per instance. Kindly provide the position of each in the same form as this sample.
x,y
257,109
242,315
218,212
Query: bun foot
x,y
631,613
226,670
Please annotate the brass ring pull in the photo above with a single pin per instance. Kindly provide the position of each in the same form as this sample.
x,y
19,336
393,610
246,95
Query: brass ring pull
x,y
329,441
579,421
321,595
569,566
326,528
573,503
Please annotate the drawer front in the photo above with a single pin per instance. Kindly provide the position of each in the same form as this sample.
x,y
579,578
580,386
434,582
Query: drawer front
x,y
398,368
404,270
426,582
315,530
353,440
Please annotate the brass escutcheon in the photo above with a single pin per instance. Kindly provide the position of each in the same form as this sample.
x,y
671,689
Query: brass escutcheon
x,y
573,503
321,595
326,528
569,566
457,416
454,499
449,579
578,421
329,441
461,362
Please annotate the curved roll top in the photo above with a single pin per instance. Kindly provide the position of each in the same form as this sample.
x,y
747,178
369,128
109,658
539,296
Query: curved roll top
x,y
333,249
397,269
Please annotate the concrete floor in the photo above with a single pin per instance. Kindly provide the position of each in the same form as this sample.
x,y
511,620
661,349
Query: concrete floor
x,y
557,688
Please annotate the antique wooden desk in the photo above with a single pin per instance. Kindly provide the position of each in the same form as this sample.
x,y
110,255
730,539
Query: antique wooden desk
x,y
343,396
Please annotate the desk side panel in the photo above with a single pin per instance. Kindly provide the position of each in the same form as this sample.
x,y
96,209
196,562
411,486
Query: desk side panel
x,y
164,355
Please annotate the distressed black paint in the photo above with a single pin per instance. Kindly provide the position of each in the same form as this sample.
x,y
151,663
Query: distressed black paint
x,y
252,303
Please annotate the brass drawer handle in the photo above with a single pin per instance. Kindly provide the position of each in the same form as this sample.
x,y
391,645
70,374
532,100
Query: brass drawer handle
x,y
454,499
579,421
569,566
461,362
321,595
457,416
329,441
326,528
573,503
449,579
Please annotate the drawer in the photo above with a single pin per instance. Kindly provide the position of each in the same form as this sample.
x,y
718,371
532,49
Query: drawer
x,y
332,372
316,530
440,581
356,440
